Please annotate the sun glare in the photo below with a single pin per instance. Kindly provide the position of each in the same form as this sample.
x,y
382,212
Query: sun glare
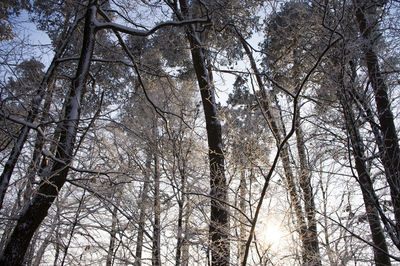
x,y
271,235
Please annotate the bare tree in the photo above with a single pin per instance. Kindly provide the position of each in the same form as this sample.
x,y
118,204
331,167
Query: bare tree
x,y
367,19
33,215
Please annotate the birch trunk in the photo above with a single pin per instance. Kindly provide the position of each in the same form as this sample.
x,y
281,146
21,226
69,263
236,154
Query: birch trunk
x,y
242,221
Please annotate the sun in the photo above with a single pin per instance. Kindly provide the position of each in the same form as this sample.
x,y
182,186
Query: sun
x,y
270,235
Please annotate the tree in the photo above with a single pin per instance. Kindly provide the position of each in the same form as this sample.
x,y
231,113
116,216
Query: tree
x,y
32,216
219,213
366,16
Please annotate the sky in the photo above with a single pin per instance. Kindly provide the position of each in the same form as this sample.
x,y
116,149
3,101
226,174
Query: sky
x,y
39,43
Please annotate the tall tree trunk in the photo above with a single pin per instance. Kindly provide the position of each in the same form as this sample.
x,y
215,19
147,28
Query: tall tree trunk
x,y
31,117
242,221
391,155
302,229
156,259
142,215
370,199
290,180
32,216
367,112
181,238
219,227
113,233
311,245
185,244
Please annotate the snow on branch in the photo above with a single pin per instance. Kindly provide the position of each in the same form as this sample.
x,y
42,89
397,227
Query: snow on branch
x,y
131,31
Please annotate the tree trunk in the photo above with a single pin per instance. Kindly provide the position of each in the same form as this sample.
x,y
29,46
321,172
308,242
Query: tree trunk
x,y
391,155
32,115
219,227
156,259
298,210
113,233
32,216
185,244
370,199
242,220
311,239
277,132
142,216
181,238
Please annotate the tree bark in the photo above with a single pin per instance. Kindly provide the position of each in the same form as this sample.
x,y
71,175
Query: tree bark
x,y
311,239
181,238
34,213
113,233
308,258
242,221
219,227
32,115
142,216
391,154
156,256
381,257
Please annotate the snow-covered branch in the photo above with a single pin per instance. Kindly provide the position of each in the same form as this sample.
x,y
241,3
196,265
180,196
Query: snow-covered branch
x,y
131,31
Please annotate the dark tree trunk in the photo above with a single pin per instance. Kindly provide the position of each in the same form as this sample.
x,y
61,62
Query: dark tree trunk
x,y
367,112
219,227
32,115
181,238
391,154
156,259
370,199
185,244
242,206
34,213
